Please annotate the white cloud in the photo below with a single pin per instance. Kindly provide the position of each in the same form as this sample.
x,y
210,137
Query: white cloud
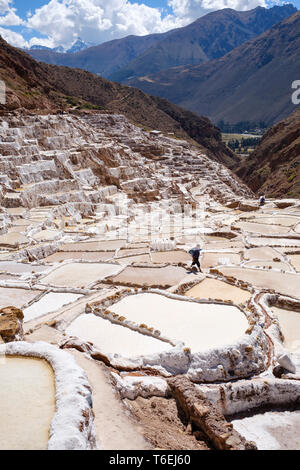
x,y
98,20
8,16
13,38
190,10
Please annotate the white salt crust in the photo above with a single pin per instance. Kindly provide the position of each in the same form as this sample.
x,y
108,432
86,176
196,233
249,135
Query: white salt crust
x,y
72,426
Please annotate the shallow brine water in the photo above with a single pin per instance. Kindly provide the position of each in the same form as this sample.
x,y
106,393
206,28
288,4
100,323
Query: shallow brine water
x,y
290,325
199,326
27,403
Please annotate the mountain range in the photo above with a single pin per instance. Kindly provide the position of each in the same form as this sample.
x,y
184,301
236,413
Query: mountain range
x,y
251,83
77,46
210,37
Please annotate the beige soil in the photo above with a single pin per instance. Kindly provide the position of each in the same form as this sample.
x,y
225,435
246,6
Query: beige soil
x,y
162,426
115,429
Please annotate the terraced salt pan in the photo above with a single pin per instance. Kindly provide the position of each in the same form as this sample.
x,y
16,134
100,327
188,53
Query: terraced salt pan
x,y
16,297
13,240
134,259
226,246
199,326
273,430
49,303
21,268
265,253
215,289
108,245
284,283
164,277
18,229
132,252
170,257
46,235
79,275
278,242
290,325
27,403
285,221
295,261
268,265
261,228
210,260
79,255
114,339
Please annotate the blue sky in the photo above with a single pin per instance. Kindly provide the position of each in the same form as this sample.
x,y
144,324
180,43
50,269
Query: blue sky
x,y
60,22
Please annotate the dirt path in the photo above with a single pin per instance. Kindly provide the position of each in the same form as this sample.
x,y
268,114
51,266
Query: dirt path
x,y
114,428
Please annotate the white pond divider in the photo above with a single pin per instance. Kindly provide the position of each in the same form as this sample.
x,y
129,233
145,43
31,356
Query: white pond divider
x,y
72,426
247,357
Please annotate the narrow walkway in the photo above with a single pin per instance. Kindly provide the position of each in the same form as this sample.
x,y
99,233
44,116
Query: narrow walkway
x,y
115,429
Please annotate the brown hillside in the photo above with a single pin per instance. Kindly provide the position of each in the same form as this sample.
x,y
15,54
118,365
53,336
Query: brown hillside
x,y
275,166
41,87
251,83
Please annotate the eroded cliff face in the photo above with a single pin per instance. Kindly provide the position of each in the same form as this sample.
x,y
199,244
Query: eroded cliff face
x,y
274,168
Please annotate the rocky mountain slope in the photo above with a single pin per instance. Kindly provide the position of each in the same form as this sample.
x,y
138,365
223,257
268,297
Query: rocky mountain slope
x,y
41,87
251,83
275,166
210,37
104,59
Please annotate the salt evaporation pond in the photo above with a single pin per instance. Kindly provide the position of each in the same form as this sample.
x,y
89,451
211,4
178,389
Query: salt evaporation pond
x,y
21,268
261,228
214,289
199,326
211,260
265,253
160,277
49,303
79,274
281,220
290,325
16,297
273,430
79,255
295,260
27,403
284,283
115,339
170,257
